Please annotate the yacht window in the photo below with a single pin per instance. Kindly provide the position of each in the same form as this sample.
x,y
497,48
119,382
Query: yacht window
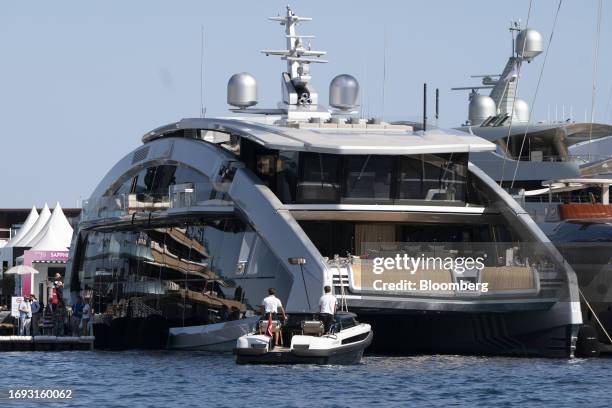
x,y
164,177
266,165
320,178
188,176
144,181
156,182
433,178
368,178
287,176
358,238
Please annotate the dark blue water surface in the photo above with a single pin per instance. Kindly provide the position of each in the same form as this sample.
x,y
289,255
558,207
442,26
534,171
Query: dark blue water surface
x,y
179,379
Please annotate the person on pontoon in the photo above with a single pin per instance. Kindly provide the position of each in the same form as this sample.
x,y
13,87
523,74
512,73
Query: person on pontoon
x,y
327,308
25,316
270,306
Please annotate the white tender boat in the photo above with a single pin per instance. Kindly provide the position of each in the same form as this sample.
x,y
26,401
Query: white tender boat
x,y
210,337
308,343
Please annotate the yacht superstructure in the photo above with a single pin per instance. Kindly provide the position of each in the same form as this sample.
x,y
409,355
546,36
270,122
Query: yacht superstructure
x,y
197,223
528,153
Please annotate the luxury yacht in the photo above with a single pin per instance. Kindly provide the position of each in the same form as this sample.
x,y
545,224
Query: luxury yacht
x,y
528,153
579,222
189,230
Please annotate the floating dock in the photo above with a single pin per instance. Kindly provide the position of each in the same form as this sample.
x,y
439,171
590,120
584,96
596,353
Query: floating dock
x,y
45,343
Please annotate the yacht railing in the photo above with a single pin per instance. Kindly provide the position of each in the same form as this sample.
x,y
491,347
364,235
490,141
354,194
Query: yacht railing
x,y
564,199
186,195
578,158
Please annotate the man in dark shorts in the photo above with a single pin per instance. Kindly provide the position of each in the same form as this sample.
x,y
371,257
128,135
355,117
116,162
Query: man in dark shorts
x,y
327,308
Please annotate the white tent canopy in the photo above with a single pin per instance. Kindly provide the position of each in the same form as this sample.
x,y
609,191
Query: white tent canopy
x,y
20,270
43,217
25,228
40,223
55,235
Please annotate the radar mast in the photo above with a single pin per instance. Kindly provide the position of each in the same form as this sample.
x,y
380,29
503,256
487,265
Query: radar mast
x,y
299,98
526,45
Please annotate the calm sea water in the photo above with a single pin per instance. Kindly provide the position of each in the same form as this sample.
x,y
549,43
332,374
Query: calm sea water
x,y
178,379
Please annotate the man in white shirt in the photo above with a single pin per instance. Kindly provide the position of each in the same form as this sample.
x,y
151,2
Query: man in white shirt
x,y
270,306
327,308
25,316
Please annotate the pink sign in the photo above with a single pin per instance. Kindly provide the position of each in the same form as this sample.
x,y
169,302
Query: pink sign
x,y
30,257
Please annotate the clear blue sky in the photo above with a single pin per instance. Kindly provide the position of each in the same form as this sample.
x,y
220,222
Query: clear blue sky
x,y
81,82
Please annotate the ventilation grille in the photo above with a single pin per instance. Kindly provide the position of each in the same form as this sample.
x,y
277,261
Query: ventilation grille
x,y
140,155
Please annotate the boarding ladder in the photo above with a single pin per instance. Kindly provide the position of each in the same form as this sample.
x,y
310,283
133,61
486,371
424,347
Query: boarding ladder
x,y
340,269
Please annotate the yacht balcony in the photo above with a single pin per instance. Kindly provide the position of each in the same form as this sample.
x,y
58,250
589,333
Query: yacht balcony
x,y
180,197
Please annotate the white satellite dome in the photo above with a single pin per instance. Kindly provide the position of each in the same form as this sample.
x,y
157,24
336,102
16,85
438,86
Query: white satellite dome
x,y
343,92
242,90
481,108
529,44
521,111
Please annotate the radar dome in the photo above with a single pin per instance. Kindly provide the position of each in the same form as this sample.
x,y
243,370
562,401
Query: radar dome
x,y
481,108
343,92
529,44
242,90
521,111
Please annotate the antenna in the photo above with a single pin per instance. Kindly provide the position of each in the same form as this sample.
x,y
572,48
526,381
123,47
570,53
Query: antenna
x,y
607,111
595,61
365,76
299,97
384,83
424,107
437,105
514,27
202,108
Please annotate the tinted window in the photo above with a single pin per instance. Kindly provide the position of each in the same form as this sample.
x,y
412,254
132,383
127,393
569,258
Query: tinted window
x,y
368,178
432,177
287,176
156,182
320,178
582,232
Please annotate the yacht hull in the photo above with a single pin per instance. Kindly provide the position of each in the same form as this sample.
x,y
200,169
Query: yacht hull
x,y
502,334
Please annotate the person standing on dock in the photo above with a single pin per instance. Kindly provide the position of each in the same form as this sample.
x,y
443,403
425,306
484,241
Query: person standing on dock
x,y
60,317
271,305
77,317
58,286
25,317
49,318
327,308
36,313
86,317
